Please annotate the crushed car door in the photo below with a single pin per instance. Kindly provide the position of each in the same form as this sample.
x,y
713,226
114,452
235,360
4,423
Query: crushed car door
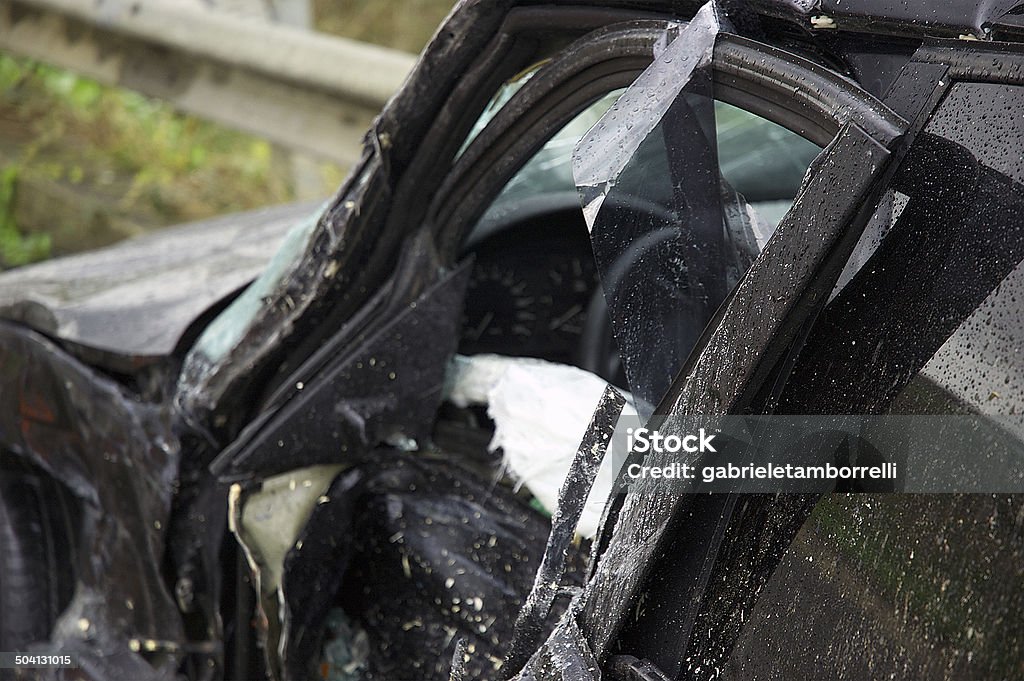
x,y
653,560
925,585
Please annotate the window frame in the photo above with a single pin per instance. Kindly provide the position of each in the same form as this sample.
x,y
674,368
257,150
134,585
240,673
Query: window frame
x,y
634,560
723,533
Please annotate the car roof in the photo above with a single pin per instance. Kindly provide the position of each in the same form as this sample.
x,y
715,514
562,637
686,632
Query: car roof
x,y
965,19
970,17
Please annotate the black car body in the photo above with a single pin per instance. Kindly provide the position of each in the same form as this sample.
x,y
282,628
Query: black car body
x,y
137,418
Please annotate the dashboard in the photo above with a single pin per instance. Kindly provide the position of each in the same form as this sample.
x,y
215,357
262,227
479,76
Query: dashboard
x,y
530,289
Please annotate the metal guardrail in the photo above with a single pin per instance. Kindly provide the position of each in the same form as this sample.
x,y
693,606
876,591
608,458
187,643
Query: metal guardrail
x,y
304,90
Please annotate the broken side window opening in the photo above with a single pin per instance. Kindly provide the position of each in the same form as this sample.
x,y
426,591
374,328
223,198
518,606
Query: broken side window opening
x,y
636,564
302,616
939,280
667,200
739,235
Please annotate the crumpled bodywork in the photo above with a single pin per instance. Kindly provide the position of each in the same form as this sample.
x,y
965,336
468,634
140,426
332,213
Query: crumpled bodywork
x,y
373,383
119,457
132,304
357,238
633,568
337,356
380,387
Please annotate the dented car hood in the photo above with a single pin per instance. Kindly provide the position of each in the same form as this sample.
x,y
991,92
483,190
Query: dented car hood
x,y
133,303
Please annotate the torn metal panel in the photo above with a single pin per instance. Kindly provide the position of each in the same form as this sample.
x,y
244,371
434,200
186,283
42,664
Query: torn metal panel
x,y
422,554
674,579
572,497
356,243
670,237
352,248
379,385
120,458
373,382
729,365
664,278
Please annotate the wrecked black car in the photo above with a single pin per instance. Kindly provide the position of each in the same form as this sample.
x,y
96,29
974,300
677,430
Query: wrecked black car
x,y
372,439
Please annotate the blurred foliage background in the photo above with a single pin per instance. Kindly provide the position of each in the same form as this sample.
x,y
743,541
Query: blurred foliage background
x,y
401,24
83,165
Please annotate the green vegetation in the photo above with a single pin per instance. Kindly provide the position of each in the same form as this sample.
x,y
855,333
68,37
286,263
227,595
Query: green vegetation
x,y
15,247
402,24
134,162
83,164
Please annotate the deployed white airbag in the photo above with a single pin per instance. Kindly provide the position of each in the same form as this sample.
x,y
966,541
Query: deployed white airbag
x,y
541,411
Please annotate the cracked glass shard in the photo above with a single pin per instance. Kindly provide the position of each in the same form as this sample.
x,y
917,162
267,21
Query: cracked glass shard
x,y
670,236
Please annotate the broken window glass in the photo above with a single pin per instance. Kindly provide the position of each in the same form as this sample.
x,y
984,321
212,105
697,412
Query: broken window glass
x,y
534,289
669,180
